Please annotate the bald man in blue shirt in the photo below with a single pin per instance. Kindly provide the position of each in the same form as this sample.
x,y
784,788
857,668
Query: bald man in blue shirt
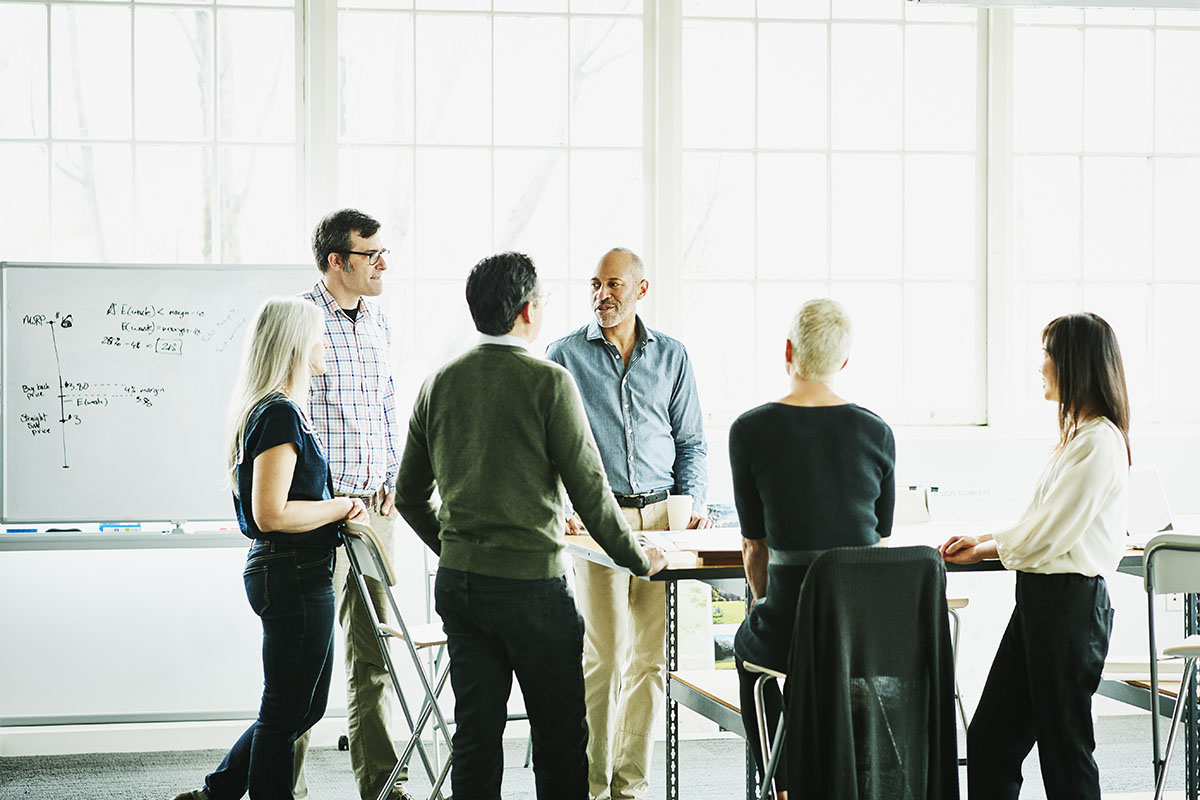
x,y
639,392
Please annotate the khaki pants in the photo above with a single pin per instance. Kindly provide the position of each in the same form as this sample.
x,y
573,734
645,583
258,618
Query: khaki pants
x,y
624,667
368,686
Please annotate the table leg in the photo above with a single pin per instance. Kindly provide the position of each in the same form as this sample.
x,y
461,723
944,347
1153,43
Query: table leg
x,y
751,774
672,646
1191,613
752,788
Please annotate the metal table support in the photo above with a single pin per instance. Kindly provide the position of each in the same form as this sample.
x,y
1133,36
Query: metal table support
x,y
672,743
672,645
1192,610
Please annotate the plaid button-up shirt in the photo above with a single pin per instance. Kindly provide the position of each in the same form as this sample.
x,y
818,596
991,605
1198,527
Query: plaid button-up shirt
x,y
353,405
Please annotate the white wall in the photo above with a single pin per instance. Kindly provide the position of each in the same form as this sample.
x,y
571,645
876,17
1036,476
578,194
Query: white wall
x,y
129,631
144,634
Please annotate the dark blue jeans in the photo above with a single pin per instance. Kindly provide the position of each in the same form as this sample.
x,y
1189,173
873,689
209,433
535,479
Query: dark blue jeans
x,y
498,627
291,589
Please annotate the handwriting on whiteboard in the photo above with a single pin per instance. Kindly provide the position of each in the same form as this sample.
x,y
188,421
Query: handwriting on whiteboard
x,y
141,328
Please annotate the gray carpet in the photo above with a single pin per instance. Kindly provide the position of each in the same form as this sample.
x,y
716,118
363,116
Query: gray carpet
x,y
709,768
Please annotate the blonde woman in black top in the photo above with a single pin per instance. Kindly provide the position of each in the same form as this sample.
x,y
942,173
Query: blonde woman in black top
x,y
811,471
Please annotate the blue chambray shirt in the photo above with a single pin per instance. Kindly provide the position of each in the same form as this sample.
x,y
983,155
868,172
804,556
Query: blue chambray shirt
x,y
646,418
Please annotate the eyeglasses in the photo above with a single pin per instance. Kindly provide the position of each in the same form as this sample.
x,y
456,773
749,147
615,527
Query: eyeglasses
x,y
541,298
373,256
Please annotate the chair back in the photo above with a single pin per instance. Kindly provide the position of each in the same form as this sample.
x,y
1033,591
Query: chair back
x,y
1171,563
870,689
372,560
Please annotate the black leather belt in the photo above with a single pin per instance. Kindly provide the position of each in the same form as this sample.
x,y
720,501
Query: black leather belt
x,y
640,500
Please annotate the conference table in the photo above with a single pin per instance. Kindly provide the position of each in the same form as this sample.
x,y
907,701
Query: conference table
x,y
715,554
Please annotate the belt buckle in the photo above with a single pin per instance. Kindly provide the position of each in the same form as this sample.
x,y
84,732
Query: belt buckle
x,y
640,500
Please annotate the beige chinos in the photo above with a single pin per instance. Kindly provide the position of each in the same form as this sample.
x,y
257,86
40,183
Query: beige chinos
x,y
624,667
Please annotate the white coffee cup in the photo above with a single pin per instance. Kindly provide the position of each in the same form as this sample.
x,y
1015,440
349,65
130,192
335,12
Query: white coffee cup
x,y
679,512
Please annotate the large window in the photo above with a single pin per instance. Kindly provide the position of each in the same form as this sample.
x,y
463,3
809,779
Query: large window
x,y
1105,196
161,132
832,149
956,176
475,127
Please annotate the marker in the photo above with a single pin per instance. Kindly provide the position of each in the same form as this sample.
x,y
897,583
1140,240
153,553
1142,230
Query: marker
x,y
120,527
20,530
63,530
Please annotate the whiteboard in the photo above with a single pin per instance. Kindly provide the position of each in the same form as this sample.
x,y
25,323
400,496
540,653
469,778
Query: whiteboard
x,y
115,386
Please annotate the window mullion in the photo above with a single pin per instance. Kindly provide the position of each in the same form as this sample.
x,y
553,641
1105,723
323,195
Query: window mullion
x,y
999,258
665,199
317,109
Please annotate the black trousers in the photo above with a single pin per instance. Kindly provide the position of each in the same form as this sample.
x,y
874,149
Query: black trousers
x,y
498,627
1040,690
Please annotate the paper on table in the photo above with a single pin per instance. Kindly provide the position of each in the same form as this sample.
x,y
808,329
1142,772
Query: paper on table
x,y
676,558
710,540
658,539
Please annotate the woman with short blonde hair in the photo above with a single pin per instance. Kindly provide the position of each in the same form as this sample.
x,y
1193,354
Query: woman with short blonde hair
x,y
811,471
820,337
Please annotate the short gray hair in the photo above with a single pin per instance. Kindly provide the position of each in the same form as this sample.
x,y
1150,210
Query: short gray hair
x,y
820,337
635,262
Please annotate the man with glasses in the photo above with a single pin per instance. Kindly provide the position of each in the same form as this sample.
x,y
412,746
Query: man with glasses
x,y
353,408
500,432
641,401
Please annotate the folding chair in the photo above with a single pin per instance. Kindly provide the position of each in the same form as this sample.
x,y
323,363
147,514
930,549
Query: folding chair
x,y
1170,564
368,560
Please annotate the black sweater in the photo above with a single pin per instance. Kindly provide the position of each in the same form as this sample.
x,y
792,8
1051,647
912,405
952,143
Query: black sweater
x,y
806,479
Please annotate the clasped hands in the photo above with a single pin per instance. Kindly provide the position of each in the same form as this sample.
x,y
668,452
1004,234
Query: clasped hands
x,y
968,549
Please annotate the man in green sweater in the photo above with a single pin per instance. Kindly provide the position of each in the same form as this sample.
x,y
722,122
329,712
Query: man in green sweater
x,y
500,432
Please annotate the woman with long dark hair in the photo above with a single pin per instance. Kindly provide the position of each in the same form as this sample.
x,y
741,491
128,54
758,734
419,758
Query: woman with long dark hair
x,y
1049,661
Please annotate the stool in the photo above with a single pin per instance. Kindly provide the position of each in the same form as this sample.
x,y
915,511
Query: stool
x,y
953,604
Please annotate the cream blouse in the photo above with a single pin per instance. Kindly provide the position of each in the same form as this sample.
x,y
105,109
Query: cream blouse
x,y
1076,522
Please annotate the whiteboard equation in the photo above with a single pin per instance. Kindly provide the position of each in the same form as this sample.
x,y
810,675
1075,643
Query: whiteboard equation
x,y
155,331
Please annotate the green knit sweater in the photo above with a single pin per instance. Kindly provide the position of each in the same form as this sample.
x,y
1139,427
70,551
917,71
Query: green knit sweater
x,y
501,432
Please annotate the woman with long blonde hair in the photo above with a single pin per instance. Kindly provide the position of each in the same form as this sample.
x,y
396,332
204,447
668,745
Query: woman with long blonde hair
x,y
284,501
1049,661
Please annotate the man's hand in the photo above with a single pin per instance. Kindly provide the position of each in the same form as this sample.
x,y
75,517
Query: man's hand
x,y
387,502
658,560
358,511
698,521
575,527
